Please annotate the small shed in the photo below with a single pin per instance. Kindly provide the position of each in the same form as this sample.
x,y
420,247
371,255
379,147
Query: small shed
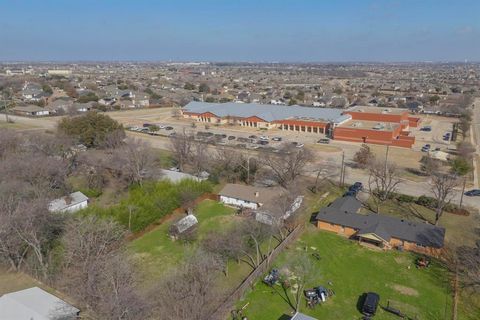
x,y
183,226
71,203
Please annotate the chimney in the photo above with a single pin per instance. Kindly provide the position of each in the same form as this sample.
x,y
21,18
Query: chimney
x,y
256,193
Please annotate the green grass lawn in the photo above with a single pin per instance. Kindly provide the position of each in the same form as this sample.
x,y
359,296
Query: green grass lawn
x,y
353,270
157,253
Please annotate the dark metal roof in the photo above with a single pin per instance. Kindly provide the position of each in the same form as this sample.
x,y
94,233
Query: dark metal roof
x,y
343,212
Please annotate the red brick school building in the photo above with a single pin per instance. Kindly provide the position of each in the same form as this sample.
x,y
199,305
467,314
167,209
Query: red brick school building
x,y
388,126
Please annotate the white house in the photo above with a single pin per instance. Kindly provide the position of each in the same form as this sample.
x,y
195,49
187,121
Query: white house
x,y
71,203
246,196
176,176
35,304
30,110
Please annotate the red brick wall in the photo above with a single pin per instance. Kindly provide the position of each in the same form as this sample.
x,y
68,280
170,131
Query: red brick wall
x,y
413,122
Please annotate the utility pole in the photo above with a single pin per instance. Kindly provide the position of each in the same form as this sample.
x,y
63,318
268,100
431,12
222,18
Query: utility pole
x,y
6,106
342,168
386,158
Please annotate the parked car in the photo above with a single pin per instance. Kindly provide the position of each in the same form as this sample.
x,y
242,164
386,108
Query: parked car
x,y
300,145
426,128
276,139
262,142
356,186
350,193
370,304
253,136
169,128
426,148
324,141
473,193
231,137
264,138
161,126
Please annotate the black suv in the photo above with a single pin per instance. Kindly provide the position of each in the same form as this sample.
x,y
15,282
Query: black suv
x,y
370,304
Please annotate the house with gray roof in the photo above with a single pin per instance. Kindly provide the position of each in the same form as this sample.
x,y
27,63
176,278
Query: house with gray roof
x,y
71,203
35,304
378,229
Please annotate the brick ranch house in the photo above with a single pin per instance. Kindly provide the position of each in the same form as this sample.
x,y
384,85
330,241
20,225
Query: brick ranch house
x,y
388,126
383,231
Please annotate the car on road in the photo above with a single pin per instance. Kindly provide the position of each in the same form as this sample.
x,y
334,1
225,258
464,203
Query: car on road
x,y
168,128
473,193
356,186
370,303
231,137
426,148
324,141
276,139
253,136
264,138
300,145
426,128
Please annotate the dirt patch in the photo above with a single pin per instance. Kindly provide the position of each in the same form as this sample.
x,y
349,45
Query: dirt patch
x,y
401,260
405,290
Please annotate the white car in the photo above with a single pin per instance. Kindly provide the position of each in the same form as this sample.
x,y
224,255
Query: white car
x,y
264,138
161,126
300,145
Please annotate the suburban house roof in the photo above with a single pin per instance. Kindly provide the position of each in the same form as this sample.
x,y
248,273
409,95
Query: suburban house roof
x,y
301,316
186,223
37,304
29,108
67,201
343,212
249,193
266,112
175,176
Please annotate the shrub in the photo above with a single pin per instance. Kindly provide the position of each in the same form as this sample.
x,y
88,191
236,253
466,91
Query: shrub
x,y
406,198
152,201
425,201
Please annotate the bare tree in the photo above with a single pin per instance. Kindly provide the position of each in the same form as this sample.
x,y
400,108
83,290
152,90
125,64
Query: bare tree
x,y
364,156
181,147
135,161
199,157
383,180
190,292
302,271
442,187
97,272
287,166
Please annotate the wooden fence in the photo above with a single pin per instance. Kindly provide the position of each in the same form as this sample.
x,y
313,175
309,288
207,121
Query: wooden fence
x,y
223,311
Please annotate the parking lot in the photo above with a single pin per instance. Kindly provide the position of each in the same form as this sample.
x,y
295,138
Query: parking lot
x,y
434,131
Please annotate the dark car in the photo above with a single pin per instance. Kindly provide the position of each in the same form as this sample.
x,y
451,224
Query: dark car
x,y
231,137
473,193
428,129
356,186
262,142
350,193
168,128
324,141
253,137
370,304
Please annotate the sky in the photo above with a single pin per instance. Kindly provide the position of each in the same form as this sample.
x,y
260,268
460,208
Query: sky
x,y
240,30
